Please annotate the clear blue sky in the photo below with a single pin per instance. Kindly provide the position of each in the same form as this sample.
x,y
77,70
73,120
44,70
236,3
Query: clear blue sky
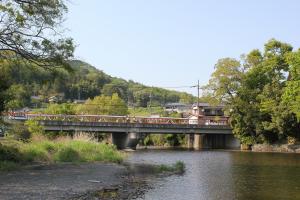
x,y
176,42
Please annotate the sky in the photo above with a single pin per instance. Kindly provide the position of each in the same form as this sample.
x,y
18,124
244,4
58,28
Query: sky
x,y
175,43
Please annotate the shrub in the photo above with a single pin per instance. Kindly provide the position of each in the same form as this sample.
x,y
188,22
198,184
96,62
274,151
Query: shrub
x,y
34,127
9,153
67,154
19,132
8,165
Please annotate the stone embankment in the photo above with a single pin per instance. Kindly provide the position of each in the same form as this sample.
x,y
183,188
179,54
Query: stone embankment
x,y
284,148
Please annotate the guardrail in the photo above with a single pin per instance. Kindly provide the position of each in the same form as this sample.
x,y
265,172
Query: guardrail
x,y
203,120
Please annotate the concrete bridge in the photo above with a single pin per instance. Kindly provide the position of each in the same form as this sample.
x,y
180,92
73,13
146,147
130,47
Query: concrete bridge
x,y
208,132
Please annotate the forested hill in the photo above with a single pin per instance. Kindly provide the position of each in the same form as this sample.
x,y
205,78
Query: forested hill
x,y
84,82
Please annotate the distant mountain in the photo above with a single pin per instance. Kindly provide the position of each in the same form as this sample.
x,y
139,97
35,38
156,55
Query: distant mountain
x,y
85,82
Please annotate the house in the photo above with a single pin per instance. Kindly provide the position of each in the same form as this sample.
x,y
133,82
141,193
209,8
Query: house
x,y
177,107
79,101
205,109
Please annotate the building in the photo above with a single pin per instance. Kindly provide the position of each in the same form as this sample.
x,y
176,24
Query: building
x,y
205,109
177,107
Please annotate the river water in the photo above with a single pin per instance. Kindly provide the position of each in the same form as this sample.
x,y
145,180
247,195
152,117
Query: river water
x,y
224,175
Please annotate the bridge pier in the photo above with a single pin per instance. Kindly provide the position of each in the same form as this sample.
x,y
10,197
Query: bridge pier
x,y
199,141
190,141
125,140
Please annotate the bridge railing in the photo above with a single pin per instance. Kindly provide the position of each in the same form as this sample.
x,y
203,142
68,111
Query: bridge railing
x,y
203,120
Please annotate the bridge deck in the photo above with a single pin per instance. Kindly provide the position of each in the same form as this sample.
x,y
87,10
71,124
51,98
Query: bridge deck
x,y
121,124
108,127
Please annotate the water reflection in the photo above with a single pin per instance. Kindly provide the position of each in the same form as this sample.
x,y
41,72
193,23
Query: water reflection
x,y
225,175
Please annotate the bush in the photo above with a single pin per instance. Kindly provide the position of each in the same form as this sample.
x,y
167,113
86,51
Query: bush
x,y
34,128
9,153
64,149
67,154
8,165
19,132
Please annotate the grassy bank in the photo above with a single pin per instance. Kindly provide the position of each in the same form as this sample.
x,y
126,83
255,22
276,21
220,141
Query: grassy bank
x,y
14,153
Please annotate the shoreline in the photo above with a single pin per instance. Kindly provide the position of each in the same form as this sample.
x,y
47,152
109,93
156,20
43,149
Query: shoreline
x,y
77,181
276,148
72,181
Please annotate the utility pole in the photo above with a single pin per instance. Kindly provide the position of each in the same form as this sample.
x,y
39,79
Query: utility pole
x,y
150,102
198,96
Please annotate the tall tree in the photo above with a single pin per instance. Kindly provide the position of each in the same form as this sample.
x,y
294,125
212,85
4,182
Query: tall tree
x,y
253,92
30,32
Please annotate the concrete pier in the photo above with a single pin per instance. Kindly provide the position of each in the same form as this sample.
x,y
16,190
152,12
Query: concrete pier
x,y
125,140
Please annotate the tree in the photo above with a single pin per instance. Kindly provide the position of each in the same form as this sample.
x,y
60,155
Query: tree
x,y
225,80
253,93
104,105
3,87
29,29
65,109
292,91
18,97
30,32
116,86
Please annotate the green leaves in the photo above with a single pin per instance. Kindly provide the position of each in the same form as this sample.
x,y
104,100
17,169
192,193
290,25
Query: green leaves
x,y
103,105
262,104
25,30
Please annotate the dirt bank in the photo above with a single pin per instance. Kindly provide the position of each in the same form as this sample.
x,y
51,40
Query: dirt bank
x,y
284,148
73,181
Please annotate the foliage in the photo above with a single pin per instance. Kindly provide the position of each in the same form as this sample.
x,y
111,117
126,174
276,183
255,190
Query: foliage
x,y
18,97
153,110
64,108
60,150
261,101
9,153
24,28
292,91
36,85
164,140
104,105
19,132
34,128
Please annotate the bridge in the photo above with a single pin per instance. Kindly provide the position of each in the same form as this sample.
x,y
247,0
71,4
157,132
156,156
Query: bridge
x,y
205,132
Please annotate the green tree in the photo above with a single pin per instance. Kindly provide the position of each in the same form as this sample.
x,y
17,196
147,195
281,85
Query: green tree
x,y
225,80
18,96
65,108
25,27
253,91
116,86
104,105
292,92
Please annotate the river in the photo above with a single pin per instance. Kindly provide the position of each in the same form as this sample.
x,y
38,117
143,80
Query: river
x,y
224,175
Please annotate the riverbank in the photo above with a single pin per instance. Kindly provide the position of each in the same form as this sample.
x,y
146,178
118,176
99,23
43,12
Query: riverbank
x,y
78,149
64,181
82,181
282,148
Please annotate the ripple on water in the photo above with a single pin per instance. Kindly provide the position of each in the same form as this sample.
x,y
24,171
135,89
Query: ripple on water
x,y
224,175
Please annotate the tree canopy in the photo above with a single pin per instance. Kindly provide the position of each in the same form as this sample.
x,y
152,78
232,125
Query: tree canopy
x,y
261,93
30,29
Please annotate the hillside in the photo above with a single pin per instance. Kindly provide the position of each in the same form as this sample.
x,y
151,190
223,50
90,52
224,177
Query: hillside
x,y
85,81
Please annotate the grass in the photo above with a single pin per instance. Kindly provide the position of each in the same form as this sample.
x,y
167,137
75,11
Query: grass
x,y
65,149
178,167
